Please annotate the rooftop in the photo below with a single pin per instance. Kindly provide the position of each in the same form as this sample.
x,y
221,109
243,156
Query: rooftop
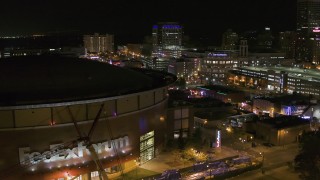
x,y
291,99
220,89
52,79
285,121
306,74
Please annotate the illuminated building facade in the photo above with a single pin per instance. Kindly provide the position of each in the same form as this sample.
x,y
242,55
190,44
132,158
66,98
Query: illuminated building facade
x,y
308,20
167,40
265,40
230,40
308,15
279,79
287,42
180,119
97,43
290,105
215,66
39,138
183,67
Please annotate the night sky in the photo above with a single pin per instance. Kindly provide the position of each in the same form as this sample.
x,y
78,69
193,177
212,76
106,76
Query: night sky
x,y
133,19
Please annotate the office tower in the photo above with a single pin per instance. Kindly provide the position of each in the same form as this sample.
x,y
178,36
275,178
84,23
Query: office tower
x,y
99,43
287,42
167,40
243,48
308,22
265,40
308,15
315,40
251,37
229,40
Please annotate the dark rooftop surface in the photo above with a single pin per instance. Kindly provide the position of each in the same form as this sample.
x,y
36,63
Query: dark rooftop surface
x,y
285,121
220,89
291,99
51,79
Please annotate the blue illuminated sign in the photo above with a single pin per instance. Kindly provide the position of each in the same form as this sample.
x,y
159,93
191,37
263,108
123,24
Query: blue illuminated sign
x,y
171,27
218,54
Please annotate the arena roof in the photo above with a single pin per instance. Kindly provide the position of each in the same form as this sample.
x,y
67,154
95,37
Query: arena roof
x,y
51,79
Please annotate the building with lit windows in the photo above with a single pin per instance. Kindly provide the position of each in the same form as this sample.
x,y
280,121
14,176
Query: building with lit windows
x,y
97,43
167,40
45,95
287,41
308,20
290,105
215,66
278,79
230,40
308,15
181,119
184,67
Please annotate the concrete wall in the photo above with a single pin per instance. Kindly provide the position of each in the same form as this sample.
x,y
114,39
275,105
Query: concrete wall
x,y
32,128
33,116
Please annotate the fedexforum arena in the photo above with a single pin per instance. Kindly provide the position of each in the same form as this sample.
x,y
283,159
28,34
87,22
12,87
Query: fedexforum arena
x,y
42,96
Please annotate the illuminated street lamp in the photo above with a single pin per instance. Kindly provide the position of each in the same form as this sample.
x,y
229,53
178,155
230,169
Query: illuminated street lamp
x,y
229,129
262,154
209,171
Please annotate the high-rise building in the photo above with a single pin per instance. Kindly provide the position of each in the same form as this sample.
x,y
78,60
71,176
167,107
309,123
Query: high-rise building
x,y
287,43
243,48
99,43
167,40
216,65
265,40
308,15
315,43
308,22
229,40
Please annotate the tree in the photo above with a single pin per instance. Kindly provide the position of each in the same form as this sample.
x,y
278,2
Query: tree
x,y
307,162
181,142
181,83
197,139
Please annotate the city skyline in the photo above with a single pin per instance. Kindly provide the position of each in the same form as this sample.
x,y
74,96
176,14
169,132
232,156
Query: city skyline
x,y
123,19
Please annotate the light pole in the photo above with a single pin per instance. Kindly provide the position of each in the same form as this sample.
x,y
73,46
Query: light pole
x,y
262,154
284,137
209,171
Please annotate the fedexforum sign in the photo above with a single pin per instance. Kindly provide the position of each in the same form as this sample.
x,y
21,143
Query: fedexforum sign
x,y
58,152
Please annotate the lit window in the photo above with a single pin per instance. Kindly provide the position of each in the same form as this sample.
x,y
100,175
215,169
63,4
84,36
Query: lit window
x,y
95,174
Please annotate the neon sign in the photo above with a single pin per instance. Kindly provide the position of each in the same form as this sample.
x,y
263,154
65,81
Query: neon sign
x,y
58,152
218,139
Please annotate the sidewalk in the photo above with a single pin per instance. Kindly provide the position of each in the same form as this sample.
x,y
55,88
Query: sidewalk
x,y
171,160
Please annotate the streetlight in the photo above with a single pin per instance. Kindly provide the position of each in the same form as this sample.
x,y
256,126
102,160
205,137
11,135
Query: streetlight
x,y
262,154
284,135
209,171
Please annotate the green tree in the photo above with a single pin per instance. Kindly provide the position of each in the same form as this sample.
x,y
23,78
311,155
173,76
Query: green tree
x,y
181,83
181,141
196,139
307,162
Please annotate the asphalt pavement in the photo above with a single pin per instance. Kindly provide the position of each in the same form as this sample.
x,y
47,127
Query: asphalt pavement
x,y
169,160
